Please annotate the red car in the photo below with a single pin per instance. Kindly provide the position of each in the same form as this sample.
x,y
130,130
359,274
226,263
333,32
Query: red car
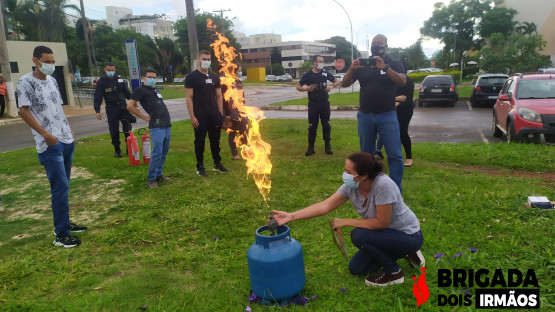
x,y
525,109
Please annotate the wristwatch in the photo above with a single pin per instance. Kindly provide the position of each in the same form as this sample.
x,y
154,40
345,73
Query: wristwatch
x,y
386,68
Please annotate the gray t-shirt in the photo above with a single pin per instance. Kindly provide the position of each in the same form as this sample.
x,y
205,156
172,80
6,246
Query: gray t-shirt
x,y
384,191
45,104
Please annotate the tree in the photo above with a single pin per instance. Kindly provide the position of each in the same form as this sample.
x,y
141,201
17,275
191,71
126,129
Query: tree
x,y
166,56
415,56
204,35
342,50
459,21
517,53
498,20
40,21
526,28
306,66
277,69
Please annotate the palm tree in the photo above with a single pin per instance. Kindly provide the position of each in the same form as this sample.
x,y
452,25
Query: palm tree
x,y
41,20
526,28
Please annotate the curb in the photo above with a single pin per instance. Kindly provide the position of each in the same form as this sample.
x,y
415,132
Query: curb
x,y
11,121
305,108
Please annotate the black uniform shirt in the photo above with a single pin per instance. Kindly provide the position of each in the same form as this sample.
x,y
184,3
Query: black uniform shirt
x,y
204,96
114,90
152,103
319,79
377,91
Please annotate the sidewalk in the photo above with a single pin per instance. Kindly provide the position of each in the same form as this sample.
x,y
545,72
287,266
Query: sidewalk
x,y
70,111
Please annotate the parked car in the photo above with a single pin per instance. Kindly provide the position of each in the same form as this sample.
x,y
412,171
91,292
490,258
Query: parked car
x,y
550,70
487,88
525,109
271,78
284,78
438,88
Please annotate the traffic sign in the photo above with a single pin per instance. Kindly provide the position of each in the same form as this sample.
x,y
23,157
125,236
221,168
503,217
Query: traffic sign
x,y
339,64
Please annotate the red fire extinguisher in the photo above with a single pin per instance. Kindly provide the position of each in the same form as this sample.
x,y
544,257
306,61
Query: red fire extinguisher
x,y
133,150
146,145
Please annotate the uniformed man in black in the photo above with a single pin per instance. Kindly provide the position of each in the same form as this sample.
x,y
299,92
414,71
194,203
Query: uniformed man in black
x,y
115,92
315,82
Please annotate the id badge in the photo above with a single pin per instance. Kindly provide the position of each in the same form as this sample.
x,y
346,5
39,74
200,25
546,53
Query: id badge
x,y
208,81
159,95
120,80
108,90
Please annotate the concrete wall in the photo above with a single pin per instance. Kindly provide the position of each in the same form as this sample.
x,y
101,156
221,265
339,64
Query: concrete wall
x,y
21,52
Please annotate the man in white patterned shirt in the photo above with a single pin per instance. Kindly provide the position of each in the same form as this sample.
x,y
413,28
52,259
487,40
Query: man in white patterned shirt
x,y
40,106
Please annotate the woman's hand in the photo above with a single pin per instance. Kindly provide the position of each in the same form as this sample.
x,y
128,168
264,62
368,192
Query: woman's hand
x,y
282,217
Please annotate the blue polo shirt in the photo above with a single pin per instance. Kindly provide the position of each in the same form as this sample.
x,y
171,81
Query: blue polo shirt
x,y
377,91
319,79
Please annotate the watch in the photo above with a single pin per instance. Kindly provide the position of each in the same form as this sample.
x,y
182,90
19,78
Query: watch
x,y
386,68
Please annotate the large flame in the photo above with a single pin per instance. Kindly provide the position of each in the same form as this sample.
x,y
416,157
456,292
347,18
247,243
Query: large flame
x,y
256,152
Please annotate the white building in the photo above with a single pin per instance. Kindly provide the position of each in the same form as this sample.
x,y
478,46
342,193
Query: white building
x,y
151,25
264,49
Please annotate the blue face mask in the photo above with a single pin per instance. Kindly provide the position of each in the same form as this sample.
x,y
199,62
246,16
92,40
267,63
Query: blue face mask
x,y
348,180
151,82
110,73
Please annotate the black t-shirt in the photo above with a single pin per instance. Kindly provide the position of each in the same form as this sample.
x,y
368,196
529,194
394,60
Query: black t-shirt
x,y
319,79
406,107
152,103
377,91
204,93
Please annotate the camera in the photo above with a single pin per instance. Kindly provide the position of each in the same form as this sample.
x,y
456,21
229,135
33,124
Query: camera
x,y
367,62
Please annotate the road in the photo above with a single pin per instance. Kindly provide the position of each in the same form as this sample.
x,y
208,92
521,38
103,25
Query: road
x,y
459,124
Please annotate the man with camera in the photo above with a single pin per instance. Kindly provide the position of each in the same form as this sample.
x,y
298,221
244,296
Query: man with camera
x,y
379,77
315,82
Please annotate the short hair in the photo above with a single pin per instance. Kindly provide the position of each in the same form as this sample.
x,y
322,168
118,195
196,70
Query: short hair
x,y
205,52
40,50
110,64
315,58
148,70
366,164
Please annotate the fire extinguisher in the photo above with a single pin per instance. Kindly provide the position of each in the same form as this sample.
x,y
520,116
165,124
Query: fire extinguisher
x,y
146,145
133,150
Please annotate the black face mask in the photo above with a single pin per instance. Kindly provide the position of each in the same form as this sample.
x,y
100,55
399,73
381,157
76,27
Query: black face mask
x,y
377,51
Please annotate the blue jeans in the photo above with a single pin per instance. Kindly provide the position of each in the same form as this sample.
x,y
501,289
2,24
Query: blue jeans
x,y
381,248
387,126
160,138
57,161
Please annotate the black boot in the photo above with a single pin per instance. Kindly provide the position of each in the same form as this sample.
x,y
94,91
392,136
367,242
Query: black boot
x,y
118,152
328,148
310,149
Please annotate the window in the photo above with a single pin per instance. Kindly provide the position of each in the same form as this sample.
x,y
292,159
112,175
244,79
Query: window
x,y
14,67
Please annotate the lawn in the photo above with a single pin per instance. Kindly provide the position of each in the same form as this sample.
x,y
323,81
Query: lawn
x,y
183,246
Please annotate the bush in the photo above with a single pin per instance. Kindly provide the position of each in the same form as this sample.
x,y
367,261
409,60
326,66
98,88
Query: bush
x,y
420,76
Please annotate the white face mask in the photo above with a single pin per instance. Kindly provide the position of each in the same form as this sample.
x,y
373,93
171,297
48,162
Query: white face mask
x,y
320,66
47,69
204,64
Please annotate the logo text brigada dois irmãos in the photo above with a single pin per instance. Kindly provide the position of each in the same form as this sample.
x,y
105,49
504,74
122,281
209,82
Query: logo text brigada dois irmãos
x,y
516,289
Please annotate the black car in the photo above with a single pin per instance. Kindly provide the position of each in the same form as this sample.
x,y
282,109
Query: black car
x,y
438,88
487,88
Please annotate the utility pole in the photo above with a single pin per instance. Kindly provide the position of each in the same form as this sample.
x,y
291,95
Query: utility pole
x,y
192,32
222,16
86,34
5,64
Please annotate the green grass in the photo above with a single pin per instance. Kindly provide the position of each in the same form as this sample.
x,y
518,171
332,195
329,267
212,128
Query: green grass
x,y
336,99
156,247
173,93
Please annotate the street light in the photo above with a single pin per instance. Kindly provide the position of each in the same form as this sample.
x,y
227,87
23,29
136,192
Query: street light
x,y
352,47
357,38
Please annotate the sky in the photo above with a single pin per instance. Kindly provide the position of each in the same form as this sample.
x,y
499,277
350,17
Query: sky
x,y
307,20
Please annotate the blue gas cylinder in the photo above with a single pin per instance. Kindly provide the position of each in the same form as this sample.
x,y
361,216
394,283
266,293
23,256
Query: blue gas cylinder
x,y
276,266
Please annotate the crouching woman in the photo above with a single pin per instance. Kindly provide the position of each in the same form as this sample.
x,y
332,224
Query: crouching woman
x,y
387,231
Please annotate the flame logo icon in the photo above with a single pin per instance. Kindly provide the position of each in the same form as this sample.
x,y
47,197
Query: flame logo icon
x,y
420,289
